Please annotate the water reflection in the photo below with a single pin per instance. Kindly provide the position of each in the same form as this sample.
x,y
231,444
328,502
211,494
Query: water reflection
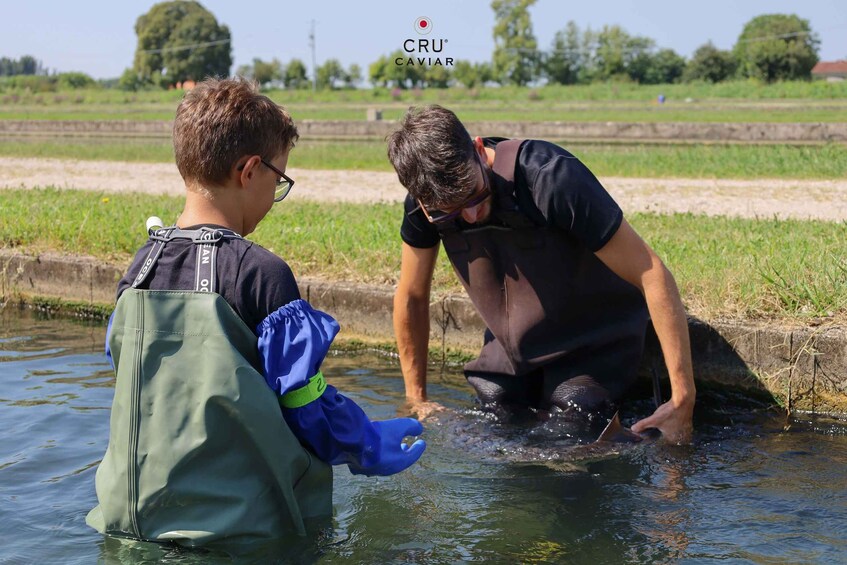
x,y
753,486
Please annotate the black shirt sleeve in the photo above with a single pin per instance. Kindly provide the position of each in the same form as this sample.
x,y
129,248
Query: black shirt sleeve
x,y
265,283
416,230
129,277
568,195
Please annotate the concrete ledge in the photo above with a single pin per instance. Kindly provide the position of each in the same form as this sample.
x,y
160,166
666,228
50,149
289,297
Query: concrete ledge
x,y
618,131
803,368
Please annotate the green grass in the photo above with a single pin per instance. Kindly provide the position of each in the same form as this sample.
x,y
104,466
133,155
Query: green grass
x,y
526,112
792,270
728,102
751,90
627,160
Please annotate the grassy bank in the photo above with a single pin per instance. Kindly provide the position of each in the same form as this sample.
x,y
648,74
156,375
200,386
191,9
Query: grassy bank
x,y
627,160
728,102
525,111
789,270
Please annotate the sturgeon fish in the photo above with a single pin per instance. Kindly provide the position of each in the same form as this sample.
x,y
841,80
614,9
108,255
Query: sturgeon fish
x,y
481,435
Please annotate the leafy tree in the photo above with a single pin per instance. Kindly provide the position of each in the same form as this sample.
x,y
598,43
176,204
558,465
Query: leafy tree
x,y
777,47
75,80
385,71
7,67
180,40
471,74
663,67
615,51
130,80
463,73
245,71
516,56
265,72
354,76
26,65
565,61
436,76
295,75
378,71
330,73
710,64
262,72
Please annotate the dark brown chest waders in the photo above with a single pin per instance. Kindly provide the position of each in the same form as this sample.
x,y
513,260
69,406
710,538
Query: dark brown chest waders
x,y
563,329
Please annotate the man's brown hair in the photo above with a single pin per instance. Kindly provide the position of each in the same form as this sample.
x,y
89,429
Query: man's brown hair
x,y
434,156
221,120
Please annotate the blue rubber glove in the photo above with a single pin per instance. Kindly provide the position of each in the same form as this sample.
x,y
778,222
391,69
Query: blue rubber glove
x,y
394,455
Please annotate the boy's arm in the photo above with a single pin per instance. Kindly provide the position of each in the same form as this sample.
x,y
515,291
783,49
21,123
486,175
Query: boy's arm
x,y
339,432
293,342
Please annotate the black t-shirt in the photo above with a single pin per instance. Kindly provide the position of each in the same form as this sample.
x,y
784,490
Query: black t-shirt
x,y
254,281
551,186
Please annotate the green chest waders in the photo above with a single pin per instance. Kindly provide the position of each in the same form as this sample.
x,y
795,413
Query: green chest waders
x,y
198,449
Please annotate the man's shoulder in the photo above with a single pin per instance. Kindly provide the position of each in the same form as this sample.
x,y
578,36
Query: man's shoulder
x,y
542,148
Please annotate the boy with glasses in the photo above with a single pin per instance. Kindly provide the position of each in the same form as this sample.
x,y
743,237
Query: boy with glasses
x,y
223,426
563,283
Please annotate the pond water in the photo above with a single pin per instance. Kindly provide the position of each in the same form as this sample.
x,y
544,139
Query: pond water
x,y
754,487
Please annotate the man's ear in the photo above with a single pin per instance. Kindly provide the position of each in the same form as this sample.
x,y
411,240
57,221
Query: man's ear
x,y
245,169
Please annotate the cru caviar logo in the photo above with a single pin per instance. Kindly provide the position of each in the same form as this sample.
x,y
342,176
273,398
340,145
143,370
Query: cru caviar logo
x,y
424,50
423,26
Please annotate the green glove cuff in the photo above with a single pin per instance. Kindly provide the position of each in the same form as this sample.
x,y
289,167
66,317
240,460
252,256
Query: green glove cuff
x,y
306,394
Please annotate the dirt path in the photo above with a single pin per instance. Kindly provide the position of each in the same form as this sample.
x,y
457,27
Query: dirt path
x,y
764,198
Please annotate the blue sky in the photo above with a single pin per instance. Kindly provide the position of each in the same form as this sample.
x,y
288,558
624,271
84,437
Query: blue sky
x,y
97,36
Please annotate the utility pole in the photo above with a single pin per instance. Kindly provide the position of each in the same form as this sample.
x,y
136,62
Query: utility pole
x,y
314,62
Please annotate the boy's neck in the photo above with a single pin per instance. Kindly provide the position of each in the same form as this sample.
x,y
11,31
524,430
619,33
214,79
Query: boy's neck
x,y
219,210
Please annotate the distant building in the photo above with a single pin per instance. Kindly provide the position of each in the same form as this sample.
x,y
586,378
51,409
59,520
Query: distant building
x,y
187,85
832,71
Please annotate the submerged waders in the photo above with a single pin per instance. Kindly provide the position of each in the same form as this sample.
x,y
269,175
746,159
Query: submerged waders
x,y
198,449
558,319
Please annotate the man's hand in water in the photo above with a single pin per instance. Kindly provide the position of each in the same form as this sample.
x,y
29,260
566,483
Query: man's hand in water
x,y
422,409
672,419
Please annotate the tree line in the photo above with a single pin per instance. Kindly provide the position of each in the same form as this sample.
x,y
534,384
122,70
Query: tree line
x,y
181,40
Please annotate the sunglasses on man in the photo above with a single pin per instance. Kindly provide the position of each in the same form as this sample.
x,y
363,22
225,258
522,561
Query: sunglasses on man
x,y
475,199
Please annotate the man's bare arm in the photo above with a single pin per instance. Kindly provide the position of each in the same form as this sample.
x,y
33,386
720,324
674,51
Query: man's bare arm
x,y
634,261
411,317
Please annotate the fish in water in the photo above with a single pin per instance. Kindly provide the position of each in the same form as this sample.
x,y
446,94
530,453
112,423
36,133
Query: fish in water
x,y
486,436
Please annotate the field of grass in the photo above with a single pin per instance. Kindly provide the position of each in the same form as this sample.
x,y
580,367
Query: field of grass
x,y
468,112
790,270
729,102
628,160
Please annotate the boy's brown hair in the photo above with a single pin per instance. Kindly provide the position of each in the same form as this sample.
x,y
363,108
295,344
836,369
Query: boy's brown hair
x,y
434,156
221,120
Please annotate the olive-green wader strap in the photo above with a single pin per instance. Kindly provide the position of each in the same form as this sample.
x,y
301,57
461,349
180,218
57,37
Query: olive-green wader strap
x,y
198,449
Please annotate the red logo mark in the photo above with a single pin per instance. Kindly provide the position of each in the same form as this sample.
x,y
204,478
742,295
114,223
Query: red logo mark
x,y
423,25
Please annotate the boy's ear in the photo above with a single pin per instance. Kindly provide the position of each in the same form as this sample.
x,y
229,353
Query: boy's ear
x,y
245,169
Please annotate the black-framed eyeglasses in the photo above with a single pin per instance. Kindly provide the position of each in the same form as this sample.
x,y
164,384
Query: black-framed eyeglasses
x,y
475,199
284,183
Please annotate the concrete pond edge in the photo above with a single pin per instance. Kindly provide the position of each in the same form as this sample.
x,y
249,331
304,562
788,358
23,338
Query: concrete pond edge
x,y
803,368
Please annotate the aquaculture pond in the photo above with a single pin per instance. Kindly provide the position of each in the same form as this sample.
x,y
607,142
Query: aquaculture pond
x,y
755,487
